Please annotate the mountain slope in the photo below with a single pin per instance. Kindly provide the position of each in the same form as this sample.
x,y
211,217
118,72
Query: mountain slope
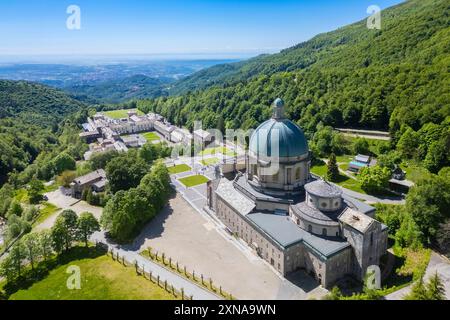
x,y
35,103
114,91
407,31
352,77
30,116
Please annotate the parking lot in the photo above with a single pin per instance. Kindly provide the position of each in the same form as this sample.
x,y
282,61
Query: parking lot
x,y
62,201
194,241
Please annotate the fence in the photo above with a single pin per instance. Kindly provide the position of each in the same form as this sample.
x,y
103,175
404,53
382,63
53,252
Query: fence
x,y
198,279
140,270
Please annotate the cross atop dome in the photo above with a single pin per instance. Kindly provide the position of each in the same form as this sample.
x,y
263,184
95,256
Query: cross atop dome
x,y
278,109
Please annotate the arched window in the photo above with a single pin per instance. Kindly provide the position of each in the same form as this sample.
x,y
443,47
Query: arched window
x,y
310,228
324,231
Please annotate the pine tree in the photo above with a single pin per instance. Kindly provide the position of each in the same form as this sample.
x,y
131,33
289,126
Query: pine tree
x,y
333,169
418,291
435,288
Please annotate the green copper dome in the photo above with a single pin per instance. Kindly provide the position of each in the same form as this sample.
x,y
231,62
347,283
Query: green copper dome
x,y
291,139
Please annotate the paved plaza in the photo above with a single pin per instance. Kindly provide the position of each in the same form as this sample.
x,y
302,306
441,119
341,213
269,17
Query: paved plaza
x,y
195,241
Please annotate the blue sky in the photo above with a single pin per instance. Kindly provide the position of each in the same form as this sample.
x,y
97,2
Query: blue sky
x,y
121,27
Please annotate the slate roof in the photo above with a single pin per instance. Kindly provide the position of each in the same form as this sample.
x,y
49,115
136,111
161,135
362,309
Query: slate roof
x,y
237,200
314,215
356,220
100,184
358,205
91,177
323,189
286,233
362,158
243,185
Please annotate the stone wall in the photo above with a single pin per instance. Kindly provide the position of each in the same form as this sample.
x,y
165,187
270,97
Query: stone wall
x,y
264,247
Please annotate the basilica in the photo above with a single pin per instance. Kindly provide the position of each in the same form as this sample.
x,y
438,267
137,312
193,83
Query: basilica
x,y
291,219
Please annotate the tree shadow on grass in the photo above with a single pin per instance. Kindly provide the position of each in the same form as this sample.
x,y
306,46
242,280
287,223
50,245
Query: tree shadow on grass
x,y
42,270
151,230
395,279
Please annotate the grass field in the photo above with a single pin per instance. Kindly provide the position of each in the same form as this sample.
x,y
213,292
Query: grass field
x,y
193,181
217,150
101,279
415,173
47,210
210,161
119,114
343,180
151,136
343,161
179,168
21,195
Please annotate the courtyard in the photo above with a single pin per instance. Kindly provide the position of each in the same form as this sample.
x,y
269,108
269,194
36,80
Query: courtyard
x,y
179,168
151,136
119,114
196,242
195,180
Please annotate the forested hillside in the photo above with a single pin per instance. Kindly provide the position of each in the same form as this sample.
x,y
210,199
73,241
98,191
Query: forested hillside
x,y
411,32
352,77
115,91
35,103
31,122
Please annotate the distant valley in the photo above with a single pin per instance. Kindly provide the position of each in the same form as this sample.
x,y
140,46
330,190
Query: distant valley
x,y
109,83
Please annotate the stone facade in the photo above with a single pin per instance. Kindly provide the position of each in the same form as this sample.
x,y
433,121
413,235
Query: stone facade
x,y
291,220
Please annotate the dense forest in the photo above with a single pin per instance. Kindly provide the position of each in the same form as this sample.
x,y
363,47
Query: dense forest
x,y
36,122
392,79
115,91
350,77
395,79
411,32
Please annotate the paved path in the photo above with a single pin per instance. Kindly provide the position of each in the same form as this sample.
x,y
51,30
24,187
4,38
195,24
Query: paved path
x,y
216,250
437,264
65,202
373,199
369,198
174,279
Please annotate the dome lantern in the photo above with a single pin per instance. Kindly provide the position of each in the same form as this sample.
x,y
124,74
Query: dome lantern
x,y
278,144
278,109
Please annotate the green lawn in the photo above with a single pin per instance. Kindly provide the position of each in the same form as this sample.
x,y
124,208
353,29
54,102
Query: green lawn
x,y
193,181
415,172
47,210
320,170
151,136
231,153
21,195
343,161
50,188
179,168
213,151
101,279
210,161
343,180
119,114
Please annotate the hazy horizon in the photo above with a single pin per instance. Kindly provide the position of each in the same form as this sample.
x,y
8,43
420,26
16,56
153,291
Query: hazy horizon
x,y
120,58
221,29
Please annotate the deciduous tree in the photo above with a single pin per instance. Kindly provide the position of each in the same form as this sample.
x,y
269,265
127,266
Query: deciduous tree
x,y
87,225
